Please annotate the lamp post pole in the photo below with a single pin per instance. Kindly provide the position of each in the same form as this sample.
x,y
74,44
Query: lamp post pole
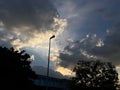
x,y
49,54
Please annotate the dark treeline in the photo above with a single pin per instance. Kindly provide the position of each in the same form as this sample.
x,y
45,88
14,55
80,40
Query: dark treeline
x,y
15,70
16,73
94,75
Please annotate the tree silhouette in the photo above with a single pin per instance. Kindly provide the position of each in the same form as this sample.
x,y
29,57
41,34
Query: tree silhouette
x,y
15,70
94,75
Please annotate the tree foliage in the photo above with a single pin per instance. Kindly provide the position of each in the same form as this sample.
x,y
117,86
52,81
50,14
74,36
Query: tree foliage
x,y
96,75
15,70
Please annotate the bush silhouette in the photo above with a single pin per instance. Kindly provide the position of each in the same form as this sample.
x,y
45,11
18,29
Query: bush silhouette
x,y
15,70
94,75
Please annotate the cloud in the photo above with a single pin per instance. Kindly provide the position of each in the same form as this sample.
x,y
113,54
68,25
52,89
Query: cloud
x,y
6,37
23,19
43,71
29,13
86,16
90,16
28,22
79,50
27,16
65,71
92,48
111,48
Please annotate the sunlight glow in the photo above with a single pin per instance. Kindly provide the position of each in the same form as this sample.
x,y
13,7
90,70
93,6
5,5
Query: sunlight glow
x,y
37,36
65,71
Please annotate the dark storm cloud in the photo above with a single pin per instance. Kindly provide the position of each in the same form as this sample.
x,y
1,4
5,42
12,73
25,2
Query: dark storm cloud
x,y
36,14
88,16
91,16
23,19
111,48
92,48
78,50
6,37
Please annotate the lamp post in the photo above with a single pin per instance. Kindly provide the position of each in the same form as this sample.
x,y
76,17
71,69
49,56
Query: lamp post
x,y
49,54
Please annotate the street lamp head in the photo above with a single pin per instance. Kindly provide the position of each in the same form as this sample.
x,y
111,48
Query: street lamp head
x,y
52,37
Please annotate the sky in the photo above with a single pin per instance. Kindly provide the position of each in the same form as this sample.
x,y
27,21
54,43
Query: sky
x,y
83,29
